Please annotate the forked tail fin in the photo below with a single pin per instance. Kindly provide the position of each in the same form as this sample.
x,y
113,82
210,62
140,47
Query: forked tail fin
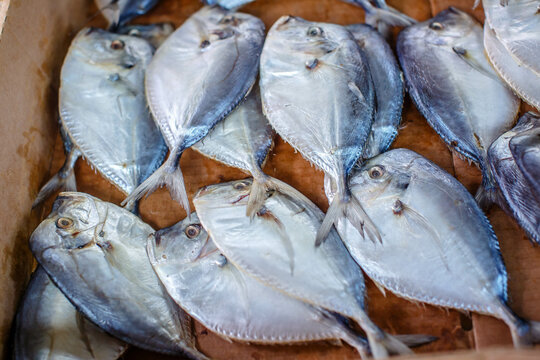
x,y
488,192
387,15
168,174
64,179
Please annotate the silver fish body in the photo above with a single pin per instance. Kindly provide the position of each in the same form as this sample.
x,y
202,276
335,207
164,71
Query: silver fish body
x,y
228,4
120,12
228,301
455,88
103,110
95,252
438,247
276,247
196,78
155,34
49,327
317,93
389,88
514,159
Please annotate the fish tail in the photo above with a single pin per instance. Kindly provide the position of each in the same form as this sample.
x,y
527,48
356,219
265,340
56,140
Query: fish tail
x,y
524,333
487,193
388,16
414,340
63,179
335,211
388,345
168,174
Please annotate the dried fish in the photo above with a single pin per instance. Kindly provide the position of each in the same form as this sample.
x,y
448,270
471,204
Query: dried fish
x,y
317,93
197,77
95,252
455,88
514,159
438,247
103,111
49,327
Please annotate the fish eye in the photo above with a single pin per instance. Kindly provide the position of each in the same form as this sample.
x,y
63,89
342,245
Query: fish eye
x,y
192,230
117,44
315,31
64,223
241,185
227,19
223,34
376,172
204,44
436,25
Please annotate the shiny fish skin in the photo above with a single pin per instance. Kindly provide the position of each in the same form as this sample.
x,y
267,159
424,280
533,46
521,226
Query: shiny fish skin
x,y
196,78
438,247
229,302
455,88
95,252
389,88
155,34
103,110
49,327
276,247
515,162
120,12
317,94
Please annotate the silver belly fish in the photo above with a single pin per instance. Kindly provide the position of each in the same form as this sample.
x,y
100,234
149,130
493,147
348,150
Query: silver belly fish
x,y
455,88
389,88
228,301
276,247
103,111
120,12
243,140
95,252
155,34
317,93
49,327
514,159
438,247
196,78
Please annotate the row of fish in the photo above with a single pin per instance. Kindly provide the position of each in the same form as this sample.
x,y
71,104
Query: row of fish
x,y
335,94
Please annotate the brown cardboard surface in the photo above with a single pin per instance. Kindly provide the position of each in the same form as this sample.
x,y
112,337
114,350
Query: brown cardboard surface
x,y
391,313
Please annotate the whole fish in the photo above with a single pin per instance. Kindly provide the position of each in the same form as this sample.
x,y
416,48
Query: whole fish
x,y
455,88
197,77
389,89
438,247
318,95
49,327
103,111
243,140
95,252
155,34
120,12
229,302
514,159
524,82
326,277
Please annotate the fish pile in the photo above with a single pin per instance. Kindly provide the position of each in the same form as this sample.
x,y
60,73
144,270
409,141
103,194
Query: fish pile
x,y
257,261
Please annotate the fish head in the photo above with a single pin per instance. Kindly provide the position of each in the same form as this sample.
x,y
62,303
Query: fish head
x,y
185,242
446,28
386,175
295,38
72,224
233,193
213,27
119,52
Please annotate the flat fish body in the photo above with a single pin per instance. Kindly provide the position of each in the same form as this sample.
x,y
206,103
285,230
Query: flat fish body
x,y
103,108
155,34
517,25
276,248
196,78
318,95
389,88
228,301
438,247
120,12
95,252
49,327
515,162
454,87
243,139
